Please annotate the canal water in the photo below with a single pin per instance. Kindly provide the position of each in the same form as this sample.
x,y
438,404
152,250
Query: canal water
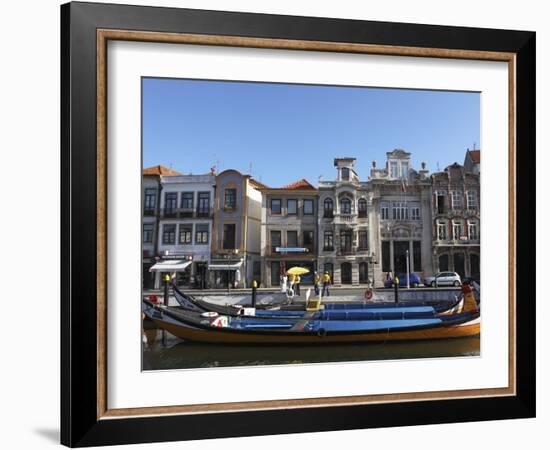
x,y
162,351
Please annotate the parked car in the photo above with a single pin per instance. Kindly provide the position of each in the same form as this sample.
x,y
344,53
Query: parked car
x,y
415,280
443,279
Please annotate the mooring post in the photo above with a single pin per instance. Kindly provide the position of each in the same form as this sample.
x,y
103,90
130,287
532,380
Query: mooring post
x,y
166,290
254,286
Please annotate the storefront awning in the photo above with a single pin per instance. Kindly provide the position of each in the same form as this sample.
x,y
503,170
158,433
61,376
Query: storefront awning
x,y
221,266
174,265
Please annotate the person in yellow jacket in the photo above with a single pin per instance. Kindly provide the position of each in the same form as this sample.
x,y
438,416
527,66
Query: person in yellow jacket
x,y
326,284
297,284
316,282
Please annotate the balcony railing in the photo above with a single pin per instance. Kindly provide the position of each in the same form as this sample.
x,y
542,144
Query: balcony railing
x,y
346,251
458,242
328,249
185,213
148,212
328,214
362,214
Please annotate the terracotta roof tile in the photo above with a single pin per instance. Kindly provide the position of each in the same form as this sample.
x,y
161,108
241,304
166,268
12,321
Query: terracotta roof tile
x,y
160,170
475,155
300,184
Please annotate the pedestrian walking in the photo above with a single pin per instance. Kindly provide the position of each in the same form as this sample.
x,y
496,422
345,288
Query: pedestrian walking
x,y
326,284
316,282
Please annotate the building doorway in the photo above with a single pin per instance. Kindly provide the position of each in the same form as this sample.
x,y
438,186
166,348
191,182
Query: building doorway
x,y
400,249
345,269
200,275
474,265
443,263
275,273
363,272
458,260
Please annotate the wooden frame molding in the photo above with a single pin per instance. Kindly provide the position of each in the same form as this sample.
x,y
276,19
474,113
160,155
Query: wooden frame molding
x,y
103,36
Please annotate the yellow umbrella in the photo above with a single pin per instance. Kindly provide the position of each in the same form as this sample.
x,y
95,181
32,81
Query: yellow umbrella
x,y
297,271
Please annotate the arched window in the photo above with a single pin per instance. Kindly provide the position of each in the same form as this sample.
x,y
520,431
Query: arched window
x,y
345,206
362,207
328,208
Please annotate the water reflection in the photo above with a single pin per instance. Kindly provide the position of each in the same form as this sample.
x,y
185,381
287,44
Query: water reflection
x,y
162,351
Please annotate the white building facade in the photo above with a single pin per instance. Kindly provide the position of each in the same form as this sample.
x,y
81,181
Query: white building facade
x,y
345,250
185,225
401,217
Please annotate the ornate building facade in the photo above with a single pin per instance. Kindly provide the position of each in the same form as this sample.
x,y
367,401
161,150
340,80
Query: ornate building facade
x,y
401,217
344,229
456,221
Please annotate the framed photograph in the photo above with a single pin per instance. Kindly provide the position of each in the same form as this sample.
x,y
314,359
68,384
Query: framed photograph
x,y
278,224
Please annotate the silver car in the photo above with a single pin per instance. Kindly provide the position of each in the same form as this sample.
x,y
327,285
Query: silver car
x,y
443,279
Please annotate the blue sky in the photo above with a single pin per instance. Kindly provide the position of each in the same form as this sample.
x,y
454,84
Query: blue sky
x,y
288,132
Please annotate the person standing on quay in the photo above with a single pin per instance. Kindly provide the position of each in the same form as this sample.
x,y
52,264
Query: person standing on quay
x,y
316,282
297,282
326,284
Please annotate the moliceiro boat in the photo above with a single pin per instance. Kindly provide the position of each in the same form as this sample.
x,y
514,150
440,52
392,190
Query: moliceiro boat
x,y
354,323
333,310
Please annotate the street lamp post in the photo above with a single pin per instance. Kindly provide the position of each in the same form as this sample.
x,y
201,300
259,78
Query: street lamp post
x,y
408,275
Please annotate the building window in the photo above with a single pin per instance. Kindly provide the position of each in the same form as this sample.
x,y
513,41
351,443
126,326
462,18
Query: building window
x,y
384,211
362,207
471,198
149,202
186,234
203,207
472,231
455,200
275,206
404,169
292,239
328,241
275,240
170,204
363,240
346,241
457,230
394,169
400,211
187,200
440,202
308,207
148,233
308,240
441,231
169,234
292,206
228,236
328,208
345,173
345,206
415,213
201,233
230,200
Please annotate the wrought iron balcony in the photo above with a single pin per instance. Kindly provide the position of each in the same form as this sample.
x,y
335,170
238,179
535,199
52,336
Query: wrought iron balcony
x,y
185,213
346,251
